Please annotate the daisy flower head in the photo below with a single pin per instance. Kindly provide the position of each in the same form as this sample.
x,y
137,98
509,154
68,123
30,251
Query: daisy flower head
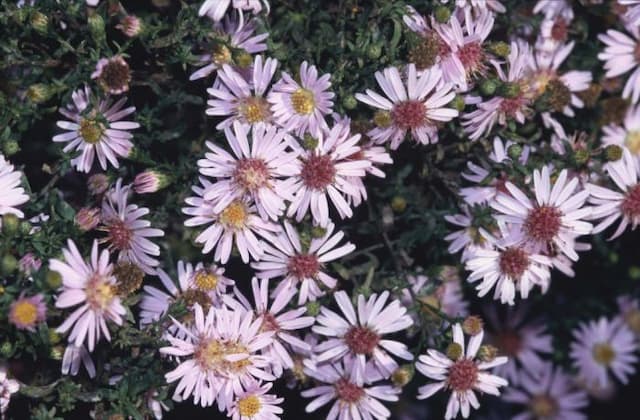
x,y
461,373
26,312
302,106
256,404
261,166
469,238
603,348
201,284
238,223
621,55
113,75
626,135
242,100
92,286
623,203
7,387
95,128
479,6
416,105
216,9
353,400
513,100
554,218
126,231
275,318
510,267
218,355
238,41
326,172
525,342
11,194
301,268
76,356
549,394
358,334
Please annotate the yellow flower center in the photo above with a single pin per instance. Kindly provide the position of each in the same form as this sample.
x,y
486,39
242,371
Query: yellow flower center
x,y
205,281
383,119
26,313
303,101
603,353
99,293
234,216
91,130
249,406
254,109
211,356
632,141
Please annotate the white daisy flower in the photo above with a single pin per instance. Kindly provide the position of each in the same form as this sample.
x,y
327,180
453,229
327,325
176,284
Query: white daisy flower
x,y
624,204
353,401
603,348
359,336
301,107
11,194
216,9
95,129
126,232
238,224
622,55
261,167
555,217
417,105
461,375
91,285
256,404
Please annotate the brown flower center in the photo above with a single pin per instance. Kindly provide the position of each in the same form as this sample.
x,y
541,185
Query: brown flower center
x,y
318,171
513,262
348,392
543,223
409,114
361,340
303,266
119,235
463,375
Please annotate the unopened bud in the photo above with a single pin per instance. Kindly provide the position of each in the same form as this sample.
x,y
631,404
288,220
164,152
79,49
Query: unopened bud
x,y
454,351
10,224
9,264
613,152
98,184
458,103
581,156
313,308
374,51
442,14
488,87
501,49
39,22
54,337
318,232
87,218
26,227
403,375
57,352
382,119
96,27
10,147
309,142
509,90
38,93
6,349
514,151
150,181
487,353
472,325
53,279
350,102
130,25
398,204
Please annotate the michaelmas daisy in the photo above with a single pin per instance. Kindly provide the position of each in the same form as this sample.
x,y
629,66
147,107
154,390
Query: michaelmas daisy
x,y
621,55
11,194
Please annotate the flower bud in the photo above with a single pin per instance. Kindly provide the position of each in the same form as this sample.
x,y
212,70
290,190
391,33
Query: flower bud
x,y
53,279
318,232
309,142
10,147
54,337
374,51
8,264
501,49
581,156
487,353
96,27
350,102
243,59
10,224
442,14
472,325
398,204
38,93
40,22
6,349
613,152
313,308
25,227
454,351
514,151
98,184
87,218
130,25
150,181
488,87
57,352
382,119
458,103
403,375
509,90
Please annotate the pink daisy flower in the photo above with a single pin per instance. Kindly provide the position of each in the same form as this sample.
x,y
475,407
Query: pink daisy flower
x,y
256,404
95,129
524,342
327,171
623,204
627,135
242,100
239,36
299,267
238,224
353,400
216,9
477,6
359,336
462,375
11,194
601,348
275,318
549,394
555,217
622,55
499,109
76,356
201,284
126,232
261,167
219,356
91,285
26,312
301,107
417,107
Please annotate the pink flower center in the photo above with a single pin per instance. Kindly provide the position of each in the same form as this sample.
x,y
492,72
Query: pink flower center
x,y
269,322
409,114
303,266
252,174
631,205
463,375
318,171
509,343
119,235
511,106
543,223
361,340
471,55
513,262
348,392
